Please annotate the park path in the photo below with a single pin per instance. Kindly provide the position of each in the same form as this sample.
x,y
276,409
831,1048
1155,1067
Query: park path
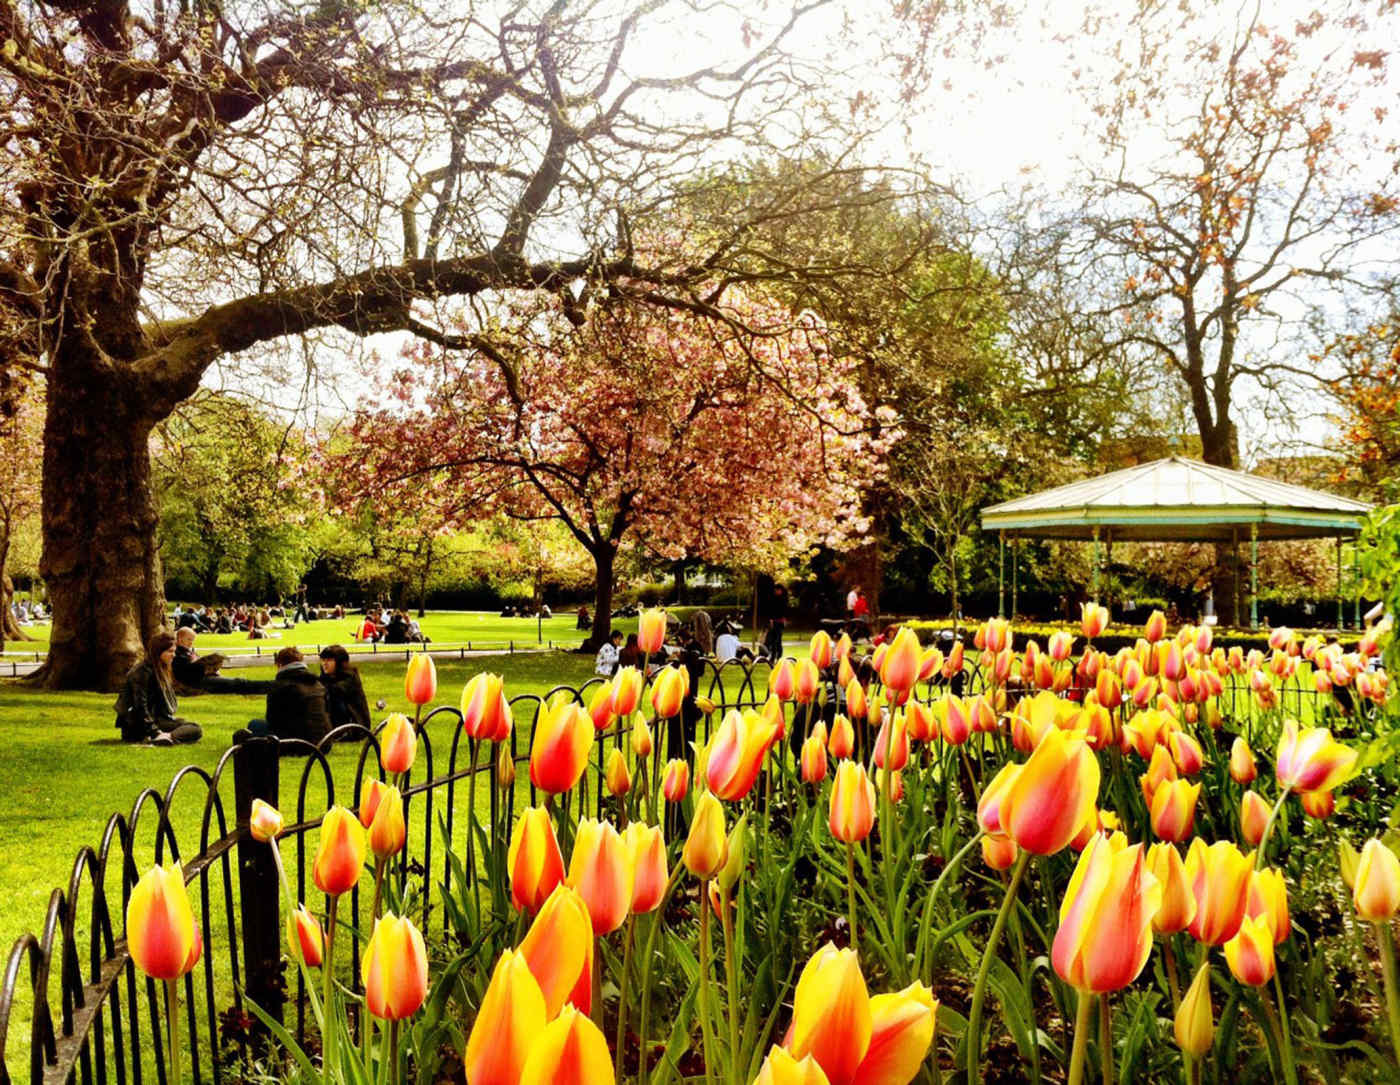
x,y
261,656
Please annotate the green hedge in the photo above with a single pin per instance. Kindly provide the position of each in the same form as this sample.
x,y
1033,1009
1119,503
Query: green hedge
x,y
1118,636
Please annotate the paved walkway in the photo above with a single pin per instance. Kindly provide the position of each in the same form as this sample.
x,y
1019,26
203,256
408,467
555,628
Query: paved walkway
x,y
262,656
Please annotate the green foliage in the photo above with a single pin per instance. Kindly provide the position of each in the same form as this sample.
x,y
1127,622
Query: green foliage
x,y
1380,569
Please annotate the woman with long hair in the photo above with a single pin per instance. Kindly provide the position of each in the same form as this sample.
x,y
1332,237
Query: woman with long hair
x,y
345,693
147,705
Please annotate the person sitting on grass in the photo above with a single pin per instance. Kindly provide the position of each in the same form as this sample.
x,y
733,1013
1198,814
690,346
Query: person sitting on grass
x,y
201,672
296,703
608,652
345,693
146,707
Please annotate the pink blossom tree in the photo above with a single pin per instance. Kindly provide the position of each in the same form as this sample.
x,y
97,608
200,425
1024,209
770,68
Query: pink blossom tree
x,y
743,443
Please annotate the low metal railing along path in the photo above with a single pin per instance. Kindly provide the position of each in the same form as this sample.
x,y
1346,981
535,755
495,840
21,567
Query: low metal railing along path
x,y
93,1018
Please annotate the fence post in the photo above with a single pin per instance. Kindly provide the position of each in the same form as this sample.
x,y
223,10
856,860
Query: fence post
x,y
255,777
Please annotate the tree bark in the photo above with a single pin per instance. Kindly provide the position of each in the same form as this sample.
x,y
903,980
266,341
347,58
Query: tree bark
x,y
604,558
1220,448
100,558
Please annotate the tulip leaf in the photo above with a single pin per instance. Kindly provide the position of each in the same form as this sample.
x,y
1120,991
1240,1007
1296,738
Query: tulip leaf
x,y
302,1059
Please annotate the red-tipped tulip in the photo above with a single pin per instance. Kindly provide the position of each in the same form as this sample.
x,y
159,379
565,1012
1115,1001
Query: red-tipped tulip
x,y
1105,934
737,752
675,781
305,940
617,776
341,855
1311,760
1242,767
813,759
559,752
1376,888
264,822
852,814
486,714
625,691
1219,876
822,650
1178,905
668,690
394,969
570,1050
387,831
534,862
558,948
1254,818
1053,795
1250,953
1174,810
707,846
161,934
420,682
600,870
843,738
646,848
900,669
651,631
398,743
511,1018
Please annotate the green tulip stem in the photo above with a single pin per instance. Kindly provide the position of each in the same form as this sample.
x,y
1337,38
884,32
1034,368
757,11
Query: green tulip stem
x,y
851,893
1285,1030
1290,1072
1268,830
1081,1038
704,990
628,938
1392,986
1105,1040
927,924
306,976
731,973
979,990
648,954
475,746
172,1023
328,1031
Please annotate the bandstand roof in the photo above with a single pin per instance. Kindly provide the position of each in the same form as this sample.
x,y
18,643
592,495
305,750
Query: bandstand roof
x,y
1178,500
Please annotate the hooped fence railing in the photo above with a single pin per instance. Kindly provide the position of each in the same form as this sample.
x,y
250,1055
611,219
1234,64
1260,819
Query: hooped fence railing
x,y
92,1018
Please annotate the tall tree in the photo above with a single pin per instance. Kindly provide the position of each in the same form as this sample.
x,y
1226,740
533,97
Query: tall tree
x,y
21,418
194,181
701,437
1369,398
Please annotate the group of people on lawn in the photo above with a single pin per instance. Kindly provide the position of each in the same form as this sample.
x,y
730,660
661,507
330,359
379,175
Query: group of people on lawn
x,y
300,703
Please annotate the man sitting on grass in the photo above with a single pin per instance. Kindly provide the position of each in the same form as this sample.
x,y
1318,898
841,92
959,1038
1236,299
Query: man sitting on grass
x,y
201,672
296,703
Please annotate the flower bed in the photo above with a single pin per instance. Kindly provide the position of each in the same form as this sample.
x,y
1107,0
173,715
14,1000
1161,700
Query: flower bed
x,y
1080,865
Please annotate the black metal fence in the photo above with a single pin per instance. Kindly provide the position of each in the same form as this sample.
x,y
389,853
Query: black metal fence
x,y
92,1017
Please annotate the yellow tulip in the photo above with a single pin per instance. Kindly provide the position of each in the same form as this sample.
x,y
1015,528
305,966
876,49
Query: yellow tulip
x,y
1195,1023
394,969
1376,891
569,1051
511,1018
1053,795
1105,934
706,847
161,934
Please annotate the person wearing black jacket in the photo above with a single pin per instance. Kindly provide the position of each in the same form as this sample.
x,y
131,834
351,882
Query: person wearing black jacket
x,y
147,703
296,704
345,693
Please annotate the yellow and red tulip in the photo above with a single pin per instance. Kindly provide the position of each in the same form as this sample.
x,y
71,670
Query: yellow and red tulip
x,y
1268,900
646,848
340,856
398,742
999,851
1178,904
1220,878
570,1050
387,832
1254,818
1250,953
641,738
616,775
813,758
394,969
806,682
675,780
600,707
420,681
651,630
707,845
1242,767
1155,627
852,812
780,1068
1105,934
559,751
1173,810
600,871
1311,760
668,690
821,650
1053,794
625,690
843,738
1093,619
486,714
558,949
161,935
899,670
857,705
305,940
534,863
511,1017
1376,887
737,752
1194,1026
1318,804
892,742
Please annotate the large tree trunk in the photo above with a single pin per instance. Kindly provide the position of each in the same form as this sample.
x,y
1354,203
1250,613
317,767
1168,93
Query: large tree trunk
x,y
10,629
604,558
1220,448
100,559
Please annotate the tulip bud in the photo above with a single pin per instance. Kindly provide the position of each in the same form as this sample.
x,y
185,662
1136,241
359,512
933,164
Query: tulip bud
x,y
341,855
1174,810
1347,861
600,707
264,822
822,649
162,937
1195,1023
852,814
646,848
1219,877
398,744
706,848
387,831
510,1019
394,969
1376,892
1242,767
668,690
736,753
641,739
626,691
806,682
505,769
857,706
370,798
1093,619
305,940
1053,794
651,631
617,776
813,758
892,743
675,780
999,851
896,784
1254,818
534,862
736,855
420,682
1155,628
1318,804
704,705
843,738
600,871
